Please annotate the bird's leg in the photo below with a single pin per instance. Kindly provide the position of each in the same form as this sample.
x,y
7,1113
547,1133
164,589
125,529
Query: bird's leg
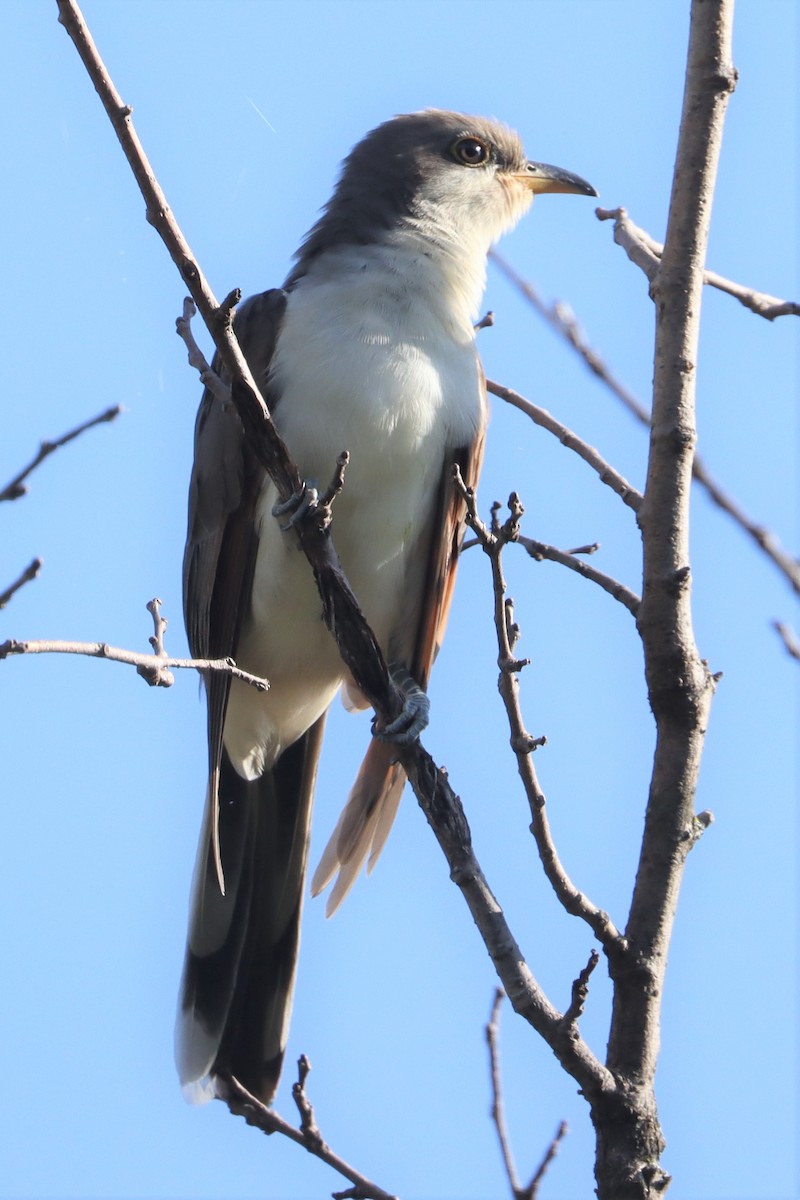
x,y
297,505
413,716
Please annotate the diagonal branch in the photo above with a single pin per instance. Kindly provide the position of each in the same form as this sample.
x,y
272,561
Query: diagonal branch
x,y
17,486
540,416
532,1190
791,642
341,613
518,1191
242,1104
563,321
540,550
31,572
498,1108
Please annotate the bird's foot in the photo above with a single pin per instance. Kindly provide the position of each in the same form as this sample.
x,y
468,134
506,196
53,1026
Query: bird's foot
x,y
297,505
414,715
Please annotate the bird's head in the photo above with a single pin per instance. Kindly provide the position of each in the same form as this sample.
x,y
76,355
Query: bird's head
x,y
446,167
446,181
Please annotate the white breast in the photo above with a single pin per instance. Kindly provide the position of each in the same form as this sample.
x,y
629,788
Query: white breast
x,y
370,359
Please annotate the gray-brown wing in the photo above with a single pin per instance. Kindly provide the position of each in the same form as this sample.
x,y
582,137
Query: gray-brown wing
x,y
222,539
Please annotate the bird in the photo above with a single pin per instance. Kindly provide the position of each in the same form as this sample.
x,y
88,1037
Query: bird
x,y
369,346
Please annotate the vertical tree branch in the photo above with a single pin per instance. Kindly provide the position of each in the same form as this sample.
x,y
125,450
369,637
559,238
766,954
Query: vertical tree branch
x,y
679,684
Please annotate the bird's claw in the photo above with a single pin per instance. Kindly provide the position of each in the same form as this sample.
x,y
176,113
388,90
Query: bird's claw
x,y
412,718
297,505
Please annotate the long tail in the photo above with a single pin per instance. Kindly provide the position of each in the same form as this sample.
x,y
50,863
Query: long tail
x,y
241,954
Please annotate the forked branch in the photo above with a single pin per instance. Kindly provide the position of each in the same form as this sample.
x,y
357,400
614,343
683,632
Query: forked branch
x,y
646,252
242,1104
519,1191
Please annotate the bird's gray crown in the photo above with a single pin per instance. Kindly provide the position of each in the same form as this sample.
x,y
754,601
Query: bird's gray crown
x,y
384,173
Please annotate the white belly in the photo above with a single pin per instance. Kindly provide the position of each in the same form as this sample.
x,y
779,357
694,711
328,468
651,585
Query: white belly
x,y
384,377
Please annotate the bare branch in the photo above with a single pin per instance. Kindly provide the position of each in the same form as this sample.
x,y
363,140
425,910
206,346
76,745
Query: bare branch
x,y
763,537
242,1104
632,238
560,317
17,487
31,572
523,743
761,303
498,1110
308,1124
788,637
540,550
157,676
208,376
580,990
532,1190
150,666
546,420
336,484
680,685
445,814
498,1115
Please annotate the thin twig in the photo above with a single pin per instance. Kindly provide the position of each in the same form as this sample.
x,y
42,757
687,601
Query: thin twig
x,y
560,317
518,1191
31,571
308,1124
540,550
788,637
532,1190
540,416
242,1104
497,1109
17,486
761,303
580,990
208,376
763,537
522,742
157,676
151,664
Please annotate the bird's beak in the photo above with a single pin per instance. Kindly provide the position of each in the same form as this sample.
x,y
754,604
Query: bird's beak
x,y
540,177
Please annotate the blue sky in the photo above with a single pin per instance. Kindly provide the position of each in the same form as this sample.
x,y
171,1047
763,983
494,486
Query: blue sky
x,y
246,109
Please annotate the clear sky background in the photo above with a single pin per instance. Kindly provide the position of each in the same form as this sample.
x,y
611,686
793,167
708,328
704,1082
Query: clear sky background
x,y
246,110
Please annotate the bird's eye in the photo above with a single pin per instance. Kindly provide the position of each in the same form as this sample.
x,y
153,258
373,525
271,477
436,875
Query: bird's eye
x,y
470,151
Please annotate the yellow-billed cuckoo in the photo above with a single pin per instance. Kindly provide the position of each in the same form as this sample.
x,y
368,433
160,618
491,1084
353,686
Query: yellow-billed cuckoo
x,y
370,347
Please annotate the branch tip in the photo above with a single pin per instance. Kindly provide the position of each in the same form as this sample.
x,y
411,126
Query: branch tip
x,y
30,573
